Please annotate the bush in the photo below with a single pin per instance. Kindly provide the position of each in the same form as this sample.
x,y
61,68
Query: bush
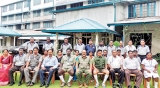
x,y
116,43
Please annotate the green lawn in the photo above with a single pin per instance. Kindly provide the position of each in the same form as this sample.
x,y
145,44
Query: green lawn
x,y
57,84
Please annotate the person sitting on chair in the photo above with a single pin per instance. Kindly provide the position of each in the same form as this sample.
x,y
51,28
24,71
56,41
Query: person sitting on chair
x,y
100,65
67,65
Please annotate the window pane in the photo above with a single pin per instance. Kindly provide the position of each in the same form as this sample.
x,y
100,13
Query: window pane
x,y
36,2
94,1
137,7
11,17
10,27
61,7
144,10
18,16
19,5
48,24
4,9
131,10
37,13
47,1
4,18
26,15
47,11
11,7
36,25
26,3
74,5
151,9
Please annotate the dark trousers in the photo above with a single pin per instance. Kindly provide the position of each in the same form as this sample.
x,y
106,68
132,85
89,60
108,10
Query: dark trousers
x,y
12,70
120,75
142,57
42,75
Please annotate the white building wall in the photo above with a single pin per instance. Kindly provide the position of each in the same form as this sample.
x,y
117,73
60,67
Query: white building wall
x,y
102,15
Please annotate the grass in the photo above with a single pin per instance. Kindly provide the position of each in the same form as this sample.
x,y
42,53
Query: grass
x,y
57,84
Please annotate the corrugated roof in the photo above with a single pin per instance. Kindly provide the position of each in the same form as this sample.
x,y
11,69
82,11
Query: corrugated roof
x,y
8,32
81,25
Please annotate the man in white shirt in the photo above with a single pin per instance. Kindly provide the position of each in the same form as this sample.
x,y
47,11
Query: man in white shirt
x,y
101,46
129,47
48,45
79,46
132,66
110,47
115,65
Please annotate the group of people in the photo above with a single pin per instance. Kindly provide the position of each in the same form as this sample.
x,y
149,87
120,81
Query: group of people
x,y
87,59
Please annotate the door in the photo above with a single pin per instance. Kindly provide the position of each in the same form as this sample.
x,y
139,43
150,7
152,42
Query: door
x,y
86,37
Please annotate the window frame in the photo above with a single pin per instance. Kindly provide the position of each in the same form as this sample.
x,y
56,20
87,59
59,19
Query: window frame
x,y
36,25
11,7
36,2
47,24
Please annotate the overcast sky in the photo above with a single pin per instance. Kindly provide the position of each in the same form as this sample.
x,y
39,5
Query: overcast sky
x,y
3,2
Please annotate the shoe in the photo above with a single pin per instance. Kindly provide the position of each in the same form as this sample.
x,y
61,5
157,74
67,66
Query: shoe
x,y
68,84
11,84
129,86
103,85
119,85
42,85
85,85
63,84
97,85
19,84
47,85
28,83
114,85
80,86
31,84
135,87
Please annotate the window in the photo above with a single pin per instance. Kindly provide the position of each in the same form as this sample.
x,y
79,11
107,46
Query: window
x,y
141,10
19,5
36,2
37,13
18,16
94,1
74,5
47,11
18,27
26,3
27,26
26,15
36,25
10,27
48,24
11,7
4,18
11,17
47,1
61,7
4,9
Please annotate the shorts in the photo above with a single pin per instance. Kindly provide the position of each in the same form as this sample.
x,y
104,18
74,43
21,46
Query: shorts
x,y
67,69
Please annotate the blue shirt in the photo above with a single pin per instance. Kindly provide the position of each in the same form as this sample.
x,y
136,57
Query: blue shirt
x,y
50,61
90,48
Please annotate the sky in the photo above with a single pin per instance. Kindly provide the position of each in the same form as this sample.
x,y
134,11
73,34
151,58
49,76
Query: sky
x,y
3,2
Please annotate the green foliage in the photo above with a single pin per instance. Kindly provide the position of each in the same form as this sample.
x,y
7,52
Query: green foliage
x,y
116,43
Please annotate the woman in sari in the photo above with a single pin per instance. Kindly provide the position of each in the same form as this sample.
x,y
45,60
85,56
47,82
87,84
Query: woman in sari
x,y
5,64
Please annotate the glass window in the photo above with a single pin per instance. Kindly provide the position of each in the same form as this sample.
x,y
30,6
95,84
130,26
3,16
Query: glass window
x,y
94,1
4,9
36,25
4,18
48,24
10,26
19,5
26,15
37,13
61,7
18,16
27,26
26,3
11,17
36,2
151,7
137,10
144,10
47,1
131,10
11,7
74,5
47,11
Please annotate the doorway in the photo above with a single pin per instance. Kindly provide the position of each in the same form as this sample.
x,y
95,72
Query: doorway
x,y
86,37
136,37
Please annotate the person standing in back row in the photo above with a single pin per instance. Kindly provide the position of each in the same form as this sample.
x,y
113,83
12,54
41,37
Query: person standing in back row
x,y
110,47
48,45
101,46
30,45
129,47
142,50
121,48
65,46
79,46
90,47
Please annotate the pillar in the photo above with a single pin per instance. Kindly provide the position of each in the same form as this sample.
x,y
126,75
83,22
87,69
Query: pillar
x,y
14,41
97,39
56,44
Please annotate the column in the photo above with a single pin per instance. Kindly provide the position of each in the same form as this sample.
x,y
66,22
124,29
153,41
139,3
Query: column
x,y
14,41
56,44
97,39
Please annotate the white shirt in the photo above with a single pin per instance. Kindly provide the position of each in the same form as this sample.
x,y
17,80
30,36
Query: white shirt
x,y
129,63
79,47
109,49
150,64
128,48
122,50
115,62
48,46
142,50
